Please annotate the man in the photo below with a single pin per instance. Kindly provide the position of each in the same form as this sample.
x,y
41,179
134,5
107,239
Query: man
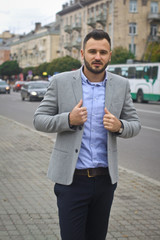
x,y
88,109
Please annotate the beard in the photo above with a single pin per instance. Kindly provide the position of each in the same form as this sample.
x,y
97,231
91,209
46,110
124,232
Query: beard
x,y
95,70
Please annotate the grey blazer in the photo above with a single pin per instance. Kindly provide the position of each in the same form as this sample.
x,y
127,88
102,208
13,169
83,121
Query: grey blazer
x,y
64,92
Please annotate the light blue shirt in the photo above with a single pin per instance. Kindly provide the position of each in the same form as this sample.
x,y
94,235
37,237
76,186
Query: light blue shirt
x,y
93,152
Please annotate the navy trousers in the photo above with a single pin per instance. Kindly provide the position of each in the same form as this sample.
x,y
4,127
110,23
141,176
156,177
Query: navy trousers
x,y
84,207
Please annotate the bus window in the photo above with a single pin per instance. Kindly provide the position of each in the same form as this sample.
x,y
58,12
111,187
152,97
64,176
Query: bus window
x,y
131,72
139,72
147,73
118,71
125,72
154,74
111,69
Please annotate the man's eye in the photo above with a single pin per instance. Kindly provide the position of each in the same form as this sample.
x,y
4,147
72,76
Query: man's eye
x,y
92,51
103,52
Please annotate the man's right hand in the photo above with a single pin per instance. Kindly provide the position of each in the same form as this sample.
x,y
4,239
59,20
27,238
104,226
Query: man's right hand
x,y
78,115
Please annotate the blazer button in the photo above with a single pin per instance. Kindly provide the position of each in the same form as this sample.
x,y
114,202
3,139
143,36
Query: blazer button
x,y
76,150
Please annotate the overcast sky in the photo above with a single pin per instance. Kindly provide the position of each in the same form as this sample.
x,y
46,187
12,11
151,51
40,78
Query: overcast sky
x,y
19,16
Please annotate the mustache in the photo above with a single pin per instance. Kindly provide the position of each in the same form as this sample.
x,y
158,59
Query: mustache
x,y
97,61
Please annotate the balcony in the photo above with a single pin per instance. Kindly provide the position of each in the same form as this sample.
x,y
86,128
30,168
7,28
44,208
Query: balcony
x,y
102,19
77,44
68,28
68,46
91,22
77,27
154,38
154,17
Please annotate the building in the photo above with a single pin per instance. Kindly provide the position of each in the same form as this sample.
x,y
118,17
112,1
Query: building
x,y
5,39
36,47
132,24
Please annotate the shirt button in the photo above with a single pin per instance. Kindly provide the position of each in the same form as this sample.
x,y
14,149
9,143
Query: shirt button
x,y
76,150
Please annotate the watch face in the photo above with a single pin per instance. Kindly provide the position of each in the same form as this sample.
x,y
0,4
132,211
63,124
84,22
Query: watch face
x,y
120,130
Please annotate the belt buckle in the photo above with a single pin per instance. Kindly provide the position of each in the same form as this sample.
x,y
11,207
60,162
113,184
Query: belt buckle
x,y
89,173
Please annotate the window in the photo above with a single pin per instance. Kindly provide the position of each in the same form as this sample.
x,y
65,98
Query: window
x,y
154,7
132,48
133,6
132,28
153,30
131,72
110,29
70,20
154,72
144,2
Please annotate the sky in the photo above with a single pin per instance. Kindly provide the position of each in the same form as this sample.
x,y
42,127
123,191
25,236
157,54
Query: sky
x,y
18,16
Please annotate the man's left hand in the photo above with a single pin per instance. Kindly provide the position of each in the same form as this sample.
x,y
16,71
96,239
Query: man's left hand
x,y
110,122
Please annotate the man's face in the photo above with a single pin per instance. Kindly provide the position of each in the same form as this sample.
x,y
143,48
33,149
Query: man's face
x,y
96,55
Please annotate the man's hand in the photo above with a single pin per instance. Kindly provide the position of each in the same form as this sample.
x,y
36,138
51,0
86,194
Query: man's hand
x,y
78,115
110,122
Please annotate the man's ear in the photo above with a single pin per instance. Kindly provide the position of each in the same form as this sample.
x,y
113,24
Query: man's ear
x,y
82,54
110,56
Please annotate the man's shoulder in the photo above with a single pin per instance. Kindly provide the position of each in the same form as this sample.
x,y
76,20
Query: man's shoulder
x,y
66,75
116,77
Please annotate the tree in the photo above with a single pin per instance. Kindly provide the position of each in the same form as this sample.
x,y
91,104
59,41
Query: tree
x,y
63,64
42,68
153,52
9,68
120,55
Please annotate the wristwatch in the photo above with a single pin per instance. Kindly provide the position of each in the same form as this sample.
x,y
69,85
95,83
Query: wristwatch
x,y
121,128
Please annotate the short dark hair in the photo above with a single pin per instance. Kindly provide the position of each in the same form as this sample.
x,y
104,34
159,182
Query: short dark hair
x,y
97,34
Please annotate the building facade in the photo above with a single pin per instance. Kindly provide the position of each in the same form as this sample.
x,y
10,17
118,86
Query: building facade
x,y
5,39
132,24
36,47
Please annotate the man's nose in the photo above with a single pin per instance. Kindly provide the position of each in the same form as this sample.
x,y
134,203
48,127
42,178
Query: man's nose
x,y
98,56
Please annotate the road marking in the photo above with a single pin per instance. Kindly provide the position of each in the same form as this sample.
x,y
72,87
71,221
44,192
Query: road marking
x,y
150,128
147,111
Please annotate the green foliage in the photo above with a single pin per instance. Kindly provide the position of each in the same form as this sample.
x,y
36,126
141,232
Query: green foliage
x,y
120,55
9,68
153,52
41,68
63,64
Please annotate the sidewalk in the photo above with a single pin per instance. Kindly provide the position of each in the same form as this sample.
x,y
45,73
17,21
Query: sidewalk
x,y
28,208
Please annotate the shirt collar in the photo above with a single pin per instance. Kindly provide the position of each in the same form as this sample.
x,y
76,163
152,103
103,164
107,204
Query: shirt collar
x,y
85,80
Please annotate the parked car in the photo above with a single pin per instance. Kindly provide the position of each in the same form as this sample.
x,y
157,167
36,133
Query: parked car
x,y
4,87
34,90
17,86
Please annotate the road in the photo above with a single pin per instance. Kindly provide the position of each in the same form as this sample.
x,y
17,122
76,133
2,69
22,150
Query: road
x,y
140,154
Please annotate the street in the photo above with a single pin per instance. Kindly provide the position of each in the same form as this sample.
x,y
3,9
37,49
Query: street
x,y
140,154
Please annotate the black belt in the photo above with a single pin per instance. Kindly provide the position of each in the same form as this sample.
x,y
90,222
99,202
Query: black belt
x,y
92,172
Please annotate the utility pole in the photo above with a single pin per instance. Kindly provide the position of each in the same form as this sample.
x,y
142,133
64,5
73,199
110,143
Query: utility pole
x,y
112,29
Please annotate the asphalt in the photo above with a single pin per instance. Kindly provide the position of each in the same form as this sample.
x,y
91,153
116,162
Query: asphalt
x,y
28,209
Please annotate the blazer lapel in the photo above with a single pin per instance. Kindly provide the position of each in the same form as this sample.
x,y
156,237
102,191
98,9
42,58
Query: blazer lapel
x,y
109,91
77,85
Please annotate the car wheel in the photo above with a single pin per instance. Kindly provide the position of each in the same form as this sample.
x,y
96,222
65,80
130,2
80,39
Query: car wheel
x,y
30,98
23,98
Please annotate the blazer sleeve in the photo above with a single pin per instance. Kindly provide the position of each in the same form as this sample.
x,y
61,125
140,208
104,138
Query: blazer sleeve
x,y
129,116
47,117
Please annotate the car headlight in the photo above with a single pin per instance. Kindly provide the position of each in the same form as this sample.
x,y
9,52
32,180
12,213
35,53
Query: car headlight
x,y
33,93
7,88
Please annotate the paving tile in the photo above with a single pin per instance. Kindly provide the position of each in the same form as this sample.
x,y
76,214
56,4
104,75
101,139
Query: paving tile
x,y
28,208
